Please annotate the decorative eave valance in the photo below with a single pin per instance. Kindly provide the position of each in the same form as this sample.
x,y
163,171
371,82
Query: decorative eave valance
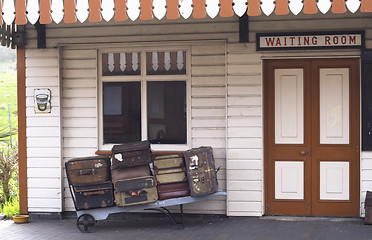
x,y
71,11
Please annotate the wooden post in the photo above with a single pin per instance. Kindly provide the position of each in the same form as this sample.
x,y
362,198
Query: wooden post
x,y
22,143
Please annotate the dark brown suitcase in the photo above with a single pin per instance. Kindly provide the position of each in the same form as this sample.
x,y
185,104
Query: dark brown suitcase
x,y
368,208
93,196
131,172
135,191
88,170
131,155
201,171
173,190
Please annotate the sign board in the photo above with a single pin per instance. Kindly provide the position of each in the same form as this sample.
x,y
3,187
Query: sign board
x,y
319,40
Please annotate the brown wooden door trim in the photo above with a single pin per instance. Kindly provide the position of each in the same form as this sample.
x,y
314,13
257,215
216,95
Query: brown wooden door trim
x,y
340,208
345,152
22,141
284,152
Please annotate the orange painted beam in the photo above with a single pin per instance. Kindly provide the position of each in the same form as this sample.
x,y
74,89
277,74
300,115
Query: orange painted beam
x,y
20,8
172,9
1,18
338,6
310,7
366,6
22,141
254,8
226,8
281,7
199,9
120,10
45,15
146,9
95,11
70,14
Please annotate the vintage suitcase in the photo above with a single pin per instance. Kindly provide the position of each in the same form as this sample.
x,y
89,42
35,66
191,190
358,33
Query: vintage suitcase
x,y
88,170
168,161
93,196
201,171
170,175
131,155
368,208
135,191
173,190
131,172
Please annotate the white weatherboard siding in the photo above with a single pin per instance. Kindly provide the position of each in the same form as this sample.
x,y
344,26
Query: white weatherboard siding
x,y
43,133
226,94
244,134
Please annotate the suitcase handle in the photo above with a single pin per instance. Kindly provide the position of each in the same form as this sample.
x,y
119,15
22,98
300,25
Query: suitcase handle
x,y
84,172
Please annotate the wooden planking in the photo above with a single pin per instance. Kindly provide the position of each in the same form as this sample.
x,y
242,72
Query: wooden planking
x,y
43,133
244,134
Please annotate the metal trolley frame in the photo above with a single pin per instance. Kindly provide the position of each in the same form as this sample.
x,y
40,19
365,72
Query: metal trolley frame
x,y
88,218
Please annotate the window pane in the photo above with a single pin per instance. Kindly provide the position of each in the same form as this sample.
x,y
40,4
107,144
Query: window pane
x,y
166,63
166,112
114,64
121,112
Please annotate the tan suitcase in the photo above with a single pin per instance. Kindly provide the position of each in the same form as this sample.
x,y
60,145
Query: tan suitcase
x,y
135,191
168,161
171,175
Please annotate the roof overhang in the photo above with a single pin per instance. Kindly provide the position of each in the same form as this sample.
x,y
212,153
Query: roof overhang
x,y
71,11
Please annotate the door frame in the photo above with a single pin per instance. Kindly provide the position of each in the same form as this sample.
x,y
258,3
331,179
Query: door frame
x,y
354,184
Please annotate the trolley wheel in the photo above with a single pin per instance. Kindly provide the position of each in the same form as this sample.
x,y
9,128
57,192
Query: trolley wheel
x,y
85,223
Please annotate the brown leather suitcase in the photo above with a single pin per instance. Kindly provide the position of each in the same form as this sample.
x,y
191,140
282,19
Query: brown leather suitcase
x,y
173,190
135,191
201,171
131,172
131,155
170,175
88,170
93,196
368,208
168,161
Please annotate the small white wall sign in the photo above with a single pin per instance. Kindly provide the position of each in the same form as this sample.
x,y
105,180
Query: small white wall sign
x,y
42,100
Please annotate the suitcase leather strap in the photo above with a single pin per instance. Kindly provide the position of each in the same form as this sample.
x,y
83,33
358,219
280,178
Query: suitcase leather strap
x,y
99,192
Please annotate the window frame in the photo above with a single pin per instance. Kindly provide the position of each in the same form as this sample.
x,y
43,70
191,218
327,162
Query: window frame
x,y
143,78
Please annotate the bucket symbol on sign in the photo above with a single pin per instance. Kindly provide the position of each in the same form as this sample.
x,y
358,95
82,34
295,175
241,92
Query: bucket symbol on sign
x,y
42,101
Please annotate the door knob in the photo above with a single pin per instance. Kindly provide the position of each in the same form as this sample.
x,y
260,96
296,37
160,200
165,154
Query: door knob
x,y
303,153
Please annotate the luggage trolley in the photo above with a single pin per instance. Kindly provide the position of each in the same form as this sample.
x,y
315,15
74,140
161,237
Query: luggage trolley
x,y
88,218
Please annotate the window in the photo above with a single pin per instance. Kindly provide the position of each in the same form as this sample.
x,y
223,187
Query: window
x,y
143,96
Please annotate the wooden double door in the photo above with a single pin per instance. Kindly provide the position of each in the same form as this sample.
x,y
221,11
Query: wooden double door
x,y
311,134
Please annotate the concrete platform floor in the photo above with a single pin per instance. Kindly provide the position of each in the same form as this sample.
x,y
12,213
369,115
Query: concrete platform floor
x,y
156,227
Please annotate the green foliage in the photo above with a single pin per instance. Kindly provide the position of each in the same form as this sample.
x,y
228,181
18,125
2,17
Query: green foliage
x,y
11,207
8,167
8,96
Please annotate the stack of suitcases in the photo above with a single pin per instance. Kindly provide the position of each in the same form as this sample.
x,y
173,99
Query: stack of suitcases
x,y
127,179
131,175
89,179
170,173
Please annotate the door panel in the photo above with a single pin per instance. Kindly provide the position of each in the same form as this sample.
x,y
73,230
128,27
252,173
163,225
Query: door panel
x,y
289,180
334,180
311,133
289,123
334,106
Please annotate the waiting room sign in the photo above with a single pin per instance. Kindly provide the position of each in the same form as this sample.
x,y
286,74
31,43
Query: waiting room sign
x,y
301,40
